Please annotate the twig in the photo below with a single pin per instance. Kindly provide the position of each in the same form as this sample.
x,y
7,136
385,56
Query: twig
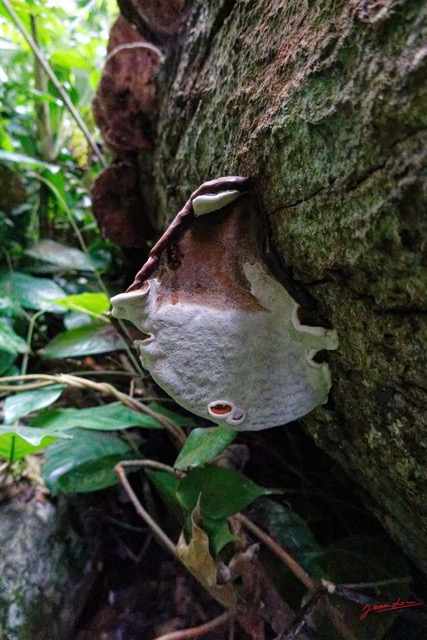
x,y
374,585
30,331
136,45
106,372
201,630
153,464
175,431
292,564
157,531
86,251
299,572
121,329
48,69
102,387
125,525
66,209
337,620
302,618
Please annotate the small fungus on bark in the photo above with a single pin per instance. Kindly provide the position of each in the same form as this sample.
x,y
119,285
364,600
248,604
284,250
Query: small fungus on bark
x,y
222,334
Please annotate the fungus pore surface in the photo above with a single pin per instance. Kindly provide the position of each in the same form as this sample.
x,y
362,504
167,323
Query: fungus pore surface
x,y
221,334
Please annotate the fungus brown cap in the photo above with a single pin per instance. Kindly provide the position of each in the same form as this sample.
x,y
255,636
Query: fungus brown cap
x,y
225,338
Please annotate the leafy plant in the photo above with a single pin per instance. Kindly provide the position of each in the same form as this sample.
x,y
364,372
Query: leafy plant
x,y
54,306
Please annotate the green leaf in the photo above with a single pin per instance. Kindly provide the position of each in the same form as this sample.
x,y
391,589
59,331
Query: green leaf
x,y
110,417
22,158
219,533
82,341
9,340
9,308
177,418
21,404
94,302
293,534
222,492
84,464
30,292
202,446
167,484
70,59
60,255
17,442
7,367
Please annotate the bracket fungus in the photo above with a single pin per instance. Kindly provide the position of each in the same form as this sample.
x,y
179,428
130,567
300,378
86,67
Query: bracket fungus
x,y
221,334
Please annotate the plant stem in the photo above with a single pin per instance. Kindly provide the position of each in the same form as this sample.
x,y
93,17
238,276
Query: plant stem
x,y
85,250
30,331
102,387
196,632
157,531
48,69
153,464
292,564
136,45
66,209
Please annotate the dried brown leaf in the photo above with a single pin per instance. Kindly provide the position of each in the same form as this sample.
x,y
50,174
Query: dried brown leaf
x,y
198,560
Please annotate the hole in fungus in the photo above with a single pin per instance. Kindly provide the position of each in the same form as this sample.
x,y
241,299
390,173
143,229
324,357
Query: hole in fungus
x,y
319,356
220,409
237,417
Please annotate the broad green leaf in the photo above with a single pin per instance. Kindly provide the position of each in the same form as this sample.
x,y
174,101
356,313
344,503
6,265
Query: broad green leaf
x,y
7,367
41,96
73,319
17,442
60,255
9,340
94,302
70,59
83,341
22,158
110,417
222,492
219,533
177,418
20,404
167,484
30,292
9,308
84,464
292,532
202,446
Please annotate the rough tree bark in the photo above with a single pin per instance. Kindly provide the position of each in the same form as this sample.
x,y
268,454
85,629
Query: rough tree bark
x,y
324,103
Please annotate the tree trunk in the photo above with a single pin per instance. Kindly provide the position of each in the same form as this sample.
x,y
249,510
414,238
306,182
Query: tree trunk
x,y
324,104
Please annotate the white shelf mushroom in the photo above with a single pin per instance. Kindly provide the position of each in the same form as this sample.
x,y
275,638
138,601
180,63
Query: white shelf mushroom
x,y
221,335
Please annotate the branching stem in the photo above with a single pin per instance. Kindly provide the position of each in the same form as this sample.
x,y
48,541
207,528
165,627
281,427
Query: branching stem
x,y
196,632
155,528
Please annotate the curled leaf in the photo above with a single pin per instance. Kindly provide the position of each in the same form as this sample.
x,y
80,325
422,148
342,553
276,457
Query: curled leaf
x,y
198,560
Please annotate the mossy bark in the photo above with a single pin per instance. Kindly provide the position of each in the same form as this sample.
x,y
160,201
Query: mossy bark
x,y
325,105
48,556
